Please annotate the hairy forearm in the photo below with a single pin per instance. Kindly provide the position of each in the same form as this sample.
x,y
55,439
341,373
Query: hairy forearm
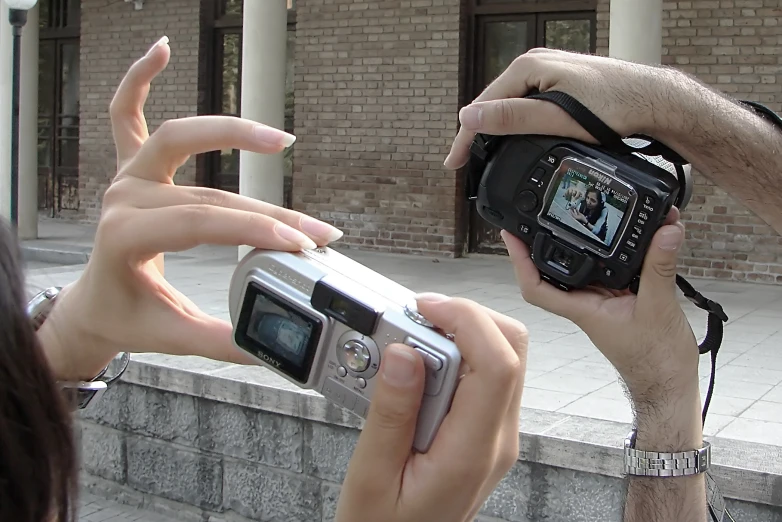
x,y
669,423
735,147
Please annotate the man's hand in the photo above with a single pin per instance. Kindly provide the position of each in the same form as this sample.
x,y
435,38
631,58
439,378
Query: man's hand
x,y
649,340
631,105
736,148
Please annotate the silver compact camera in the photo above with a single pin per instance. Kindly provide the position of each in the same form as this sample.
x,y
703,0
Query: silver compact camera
x,y
323,321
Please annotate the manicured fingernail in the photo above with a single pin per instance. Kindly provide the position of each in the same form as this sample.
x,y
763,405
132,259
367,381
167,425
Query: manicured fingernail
x,y
470,117
319,229
294,236
162,41
431,297
671,239
398,367
271,136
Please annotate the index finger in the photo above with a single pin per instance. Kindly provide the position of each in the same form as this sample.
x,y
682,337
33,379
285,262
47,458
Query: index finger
x,y
128,124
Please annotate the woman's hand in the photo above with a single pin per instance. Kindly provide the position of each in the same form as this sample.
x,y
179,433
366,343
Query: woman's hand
x,y
122,302
477,443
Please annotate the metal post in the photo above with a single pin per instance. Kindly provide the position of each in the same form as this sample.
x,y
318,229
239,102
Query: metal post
x,y
17,18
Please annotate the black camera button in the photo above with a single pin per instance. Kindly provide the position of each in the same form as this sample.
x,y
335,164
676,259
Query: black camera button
x,y
631,244
608,272
638,230
493,213
524,229
527,201
624,257
537,177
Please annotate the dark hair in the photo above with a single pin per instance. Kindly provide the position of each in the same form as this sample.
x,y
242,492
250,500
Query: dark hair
x,y
38,460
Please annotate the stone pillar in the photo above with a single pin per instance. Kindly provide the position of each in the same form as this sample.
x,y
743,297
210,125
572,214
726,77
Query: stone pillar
x,y
264,37
28,129
6,46
635,31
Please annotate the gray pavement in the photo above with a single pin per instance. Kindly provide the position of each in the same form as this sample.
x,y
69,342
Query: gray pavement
x,y
565,373
97,509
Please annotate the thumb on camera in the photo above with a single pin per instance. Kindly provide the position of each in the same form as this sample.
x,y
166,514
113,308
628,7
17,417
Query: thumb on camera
x,y
658,276
389,430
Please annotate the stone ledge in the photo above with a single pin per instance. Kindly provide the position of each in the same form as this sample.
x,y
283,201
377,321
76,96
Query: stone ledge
x,y
745,471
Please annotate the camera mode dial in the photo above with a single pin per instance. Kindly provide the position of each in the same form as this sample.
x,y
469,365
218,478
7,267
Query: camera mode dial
x,y
411,311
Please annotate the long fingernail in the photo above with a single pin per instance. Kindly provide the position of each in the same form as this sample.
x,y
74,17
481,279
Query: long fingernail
x,y
314,227
399,367
471,117
671,239
271,136
431,297
162,41
294,236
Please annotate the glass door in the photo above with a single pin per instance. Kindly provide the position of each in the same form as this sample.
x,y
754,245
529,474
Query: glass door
x,y
499,39
58,106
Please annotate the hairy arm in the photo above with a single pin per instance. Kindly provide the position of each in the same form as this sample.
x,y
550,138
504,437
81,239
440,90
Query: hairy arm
x,y
736,147
667,421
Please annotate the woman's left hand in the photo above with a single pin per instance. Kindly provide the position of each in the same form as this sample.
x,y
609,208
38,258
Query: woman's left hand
x,y
122,302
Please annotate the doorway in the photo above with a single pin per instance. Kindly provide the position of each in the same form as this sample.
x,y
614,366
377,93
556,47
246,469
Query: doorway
x,y
222,79
58,106
502,32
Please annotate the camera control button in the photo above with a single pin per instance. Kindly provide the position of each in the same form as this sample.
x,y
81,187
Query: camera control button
x,y
434,374
524,229
362,407
631,244
341,371
624,257
342,396
609,272
527,201
361,383
357,356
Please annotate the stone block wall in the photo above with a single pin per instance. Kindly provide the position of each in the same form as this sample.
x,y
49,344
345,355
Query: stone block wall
x,y
198,459
113,36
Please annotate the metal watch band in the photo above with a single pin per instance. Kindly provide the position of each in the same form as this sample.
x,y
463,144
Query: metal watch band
x,y
658,464
83,393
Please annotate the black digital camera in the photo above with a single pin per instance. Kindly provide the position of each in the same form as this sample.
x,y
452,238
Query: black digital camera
x,y
587,214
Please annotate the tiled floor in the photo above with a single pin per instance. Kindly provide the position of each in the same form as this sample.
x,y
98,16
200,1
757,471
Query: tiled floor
x,y
566,373
97,509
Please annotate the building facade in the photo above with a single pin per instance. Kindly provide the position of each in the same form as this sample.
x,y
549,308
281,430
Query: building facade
x,y
373,94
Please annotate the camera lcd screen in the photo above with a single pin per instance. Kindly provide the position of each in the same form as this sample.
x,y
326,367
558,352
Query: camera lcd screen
x,y
277,333
587,201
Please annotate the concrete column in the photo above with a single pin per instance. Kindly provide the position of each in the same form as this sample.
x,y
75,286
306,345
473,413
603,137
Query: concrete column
x,y
6,52
635,31
28,130
264,35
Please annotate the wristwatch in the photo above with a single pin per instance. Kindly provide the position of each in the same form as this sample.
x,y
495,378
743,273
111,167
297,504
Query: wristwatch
x,y
656,464
83,392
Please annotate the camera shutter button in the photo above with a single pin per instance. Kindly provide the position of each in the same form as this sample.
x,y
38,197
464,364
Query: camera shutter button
x,y
527,201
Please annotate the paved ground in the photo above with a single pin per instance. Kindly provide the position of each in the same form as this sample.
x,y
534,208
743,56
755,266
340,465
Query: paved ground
x,y
96,509
565,373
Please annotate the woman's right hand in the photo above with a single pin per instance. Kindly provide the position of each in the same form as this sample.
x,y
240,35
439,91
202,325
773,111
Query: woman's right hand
x,y
477,443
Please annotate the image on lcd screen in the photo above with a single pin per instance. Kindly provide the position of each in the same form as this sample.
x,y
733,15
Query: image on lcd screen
x,y
279,330
588,202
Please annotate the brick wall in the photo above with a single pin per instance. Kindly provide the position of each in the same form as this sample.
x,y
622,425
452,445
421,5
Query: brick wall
x,y
733,46
105,58
376,87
